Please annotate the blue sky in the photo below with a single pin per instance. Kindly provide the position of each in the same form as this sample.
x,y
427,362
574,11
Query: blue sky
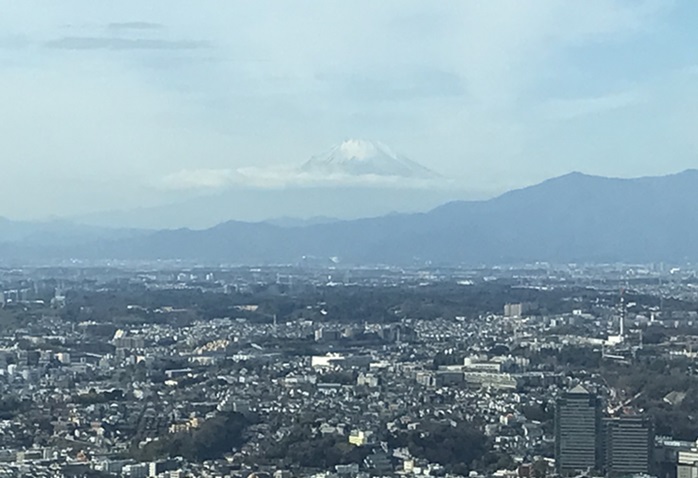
x,y
103,101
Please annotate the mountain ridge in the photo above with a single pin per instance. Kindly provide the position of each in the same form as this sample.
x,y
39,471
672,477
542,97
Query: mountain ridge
x,y
571,218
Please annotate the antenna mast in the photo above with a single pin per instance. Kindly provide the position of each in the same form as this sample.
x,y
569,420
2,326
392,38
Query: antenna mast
x,y
622,312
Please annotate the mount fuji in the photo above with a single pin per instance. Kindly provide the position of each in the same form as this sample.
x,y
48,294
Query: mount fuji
x,y
354,179
358,157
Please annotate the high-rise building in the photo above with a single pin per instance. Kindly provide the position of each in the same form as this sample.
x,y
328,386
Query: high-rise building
x,y
514,310
628,446
577,432
687,466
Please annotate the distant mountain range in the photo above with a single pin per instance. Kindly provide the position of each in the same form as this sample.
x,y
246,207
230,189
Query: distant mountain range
x,y
258,205
59,232
573,218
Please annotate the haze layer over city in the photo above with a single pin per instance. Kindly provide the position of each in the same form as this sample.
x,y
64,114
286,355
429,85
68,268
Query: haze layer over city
x,y
349,239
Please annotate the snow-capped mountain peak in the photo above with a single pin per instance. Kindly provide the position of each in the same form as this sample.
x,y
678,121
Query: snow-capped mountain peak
x,y
360,149
358,157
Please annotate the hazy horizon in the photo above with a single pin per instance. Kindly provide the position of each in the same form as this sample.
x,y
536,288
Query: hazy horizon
x,y
115,108
296,206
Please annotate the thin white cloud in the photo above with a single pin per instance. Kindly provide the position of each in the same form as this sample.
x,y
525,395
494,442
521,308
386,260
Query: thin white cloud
x,y
279,177
567,109
196,179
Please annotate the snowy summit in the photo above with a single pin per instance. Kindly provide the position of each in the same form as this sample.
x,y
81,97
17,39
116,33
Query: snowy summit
x,y
357,157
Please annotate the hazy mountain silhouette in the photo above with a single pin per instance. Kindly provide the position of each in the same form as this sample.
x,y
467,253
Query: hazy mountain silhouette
x,y
258,205
59,232
573,218
286,221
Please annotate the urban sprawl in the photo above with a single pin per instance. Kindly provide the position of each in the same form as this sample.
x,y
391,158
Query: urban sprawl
x,y
167,370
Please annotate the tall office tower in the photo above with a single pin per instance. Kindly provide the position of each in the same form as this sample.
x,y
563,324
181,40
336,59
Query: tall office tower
x,y
687,466
628,444
577,432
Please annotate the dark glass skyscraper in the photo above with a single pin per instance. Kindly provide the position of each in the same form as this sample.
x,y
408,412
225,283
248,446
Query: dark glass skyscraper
x,y
628,445
577,432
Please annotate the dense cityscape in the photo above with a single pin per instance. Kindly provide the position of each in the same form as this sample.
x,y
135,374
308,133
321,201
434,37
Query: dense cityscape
x,y
171,371
349,239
